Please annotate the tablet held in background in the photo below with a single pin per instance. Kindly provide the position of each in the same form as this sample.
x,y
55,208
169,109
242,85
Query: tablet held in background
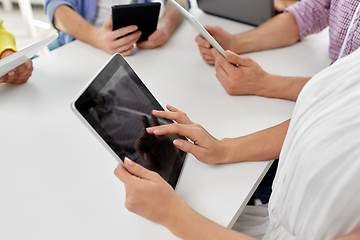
x,y
198,27
143,15
16,59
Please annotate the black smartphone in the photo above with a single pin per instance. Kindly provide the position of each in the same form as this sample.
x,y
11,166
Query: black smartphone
x,y
143,15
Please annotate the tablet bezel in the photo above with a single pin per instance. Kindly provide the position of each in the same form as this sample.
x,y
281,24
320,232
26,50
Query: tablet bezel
x,y
105,139
198,27
143,15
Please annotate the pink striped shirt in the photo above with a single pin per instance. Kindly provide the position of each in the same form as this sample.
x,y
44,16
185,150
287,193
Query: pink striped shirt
x,y
312,16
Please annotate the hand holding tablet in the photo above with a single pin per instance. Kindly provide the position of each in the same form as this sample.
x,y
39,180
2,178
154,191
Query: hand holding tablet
x,y
144,16
16,59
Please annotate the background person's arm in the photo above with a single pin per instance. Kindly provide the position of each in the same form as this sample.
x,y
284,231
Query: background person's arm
x,y
280,31
248,78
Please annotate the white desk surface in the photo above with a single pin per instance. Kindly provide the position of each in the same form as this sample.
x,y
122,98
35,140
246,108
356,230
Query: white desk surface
x,y
56,179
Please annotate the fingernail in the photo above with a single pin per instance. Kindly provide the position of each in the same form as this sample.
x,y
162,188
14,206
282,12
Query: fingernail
x,y
155,111
149,129
128,162
178,143
11,73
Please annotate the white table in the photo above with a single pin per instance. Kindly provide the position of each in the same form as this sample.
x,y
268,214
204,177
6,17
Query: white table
x,y
56,179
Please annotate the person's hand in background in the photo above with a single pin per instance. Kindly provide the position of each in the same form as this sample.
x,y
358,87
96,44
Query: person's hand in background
x,y
118,40
18,75
224,38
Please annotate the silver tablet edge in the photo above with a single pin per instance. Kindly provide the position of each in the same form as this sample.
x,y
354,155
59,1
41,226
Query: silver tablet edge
x,y
92,130
198,27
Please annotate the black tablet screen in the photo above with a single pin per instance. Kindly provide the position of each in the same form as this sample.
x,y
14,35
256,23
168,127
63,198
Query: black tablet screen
x,y
143,15
118,106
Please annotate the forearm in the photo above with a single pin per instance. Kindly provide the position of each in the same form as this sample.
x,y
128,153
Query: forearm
x,y
6,52
189,225
283,87
65,19
259,146
172,17
279,31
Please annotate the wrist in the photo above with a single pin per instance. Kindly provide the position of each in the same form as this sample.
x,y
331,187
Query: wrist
x,y
178,218
241,43
94,37
235,46
284,87
268,86
226,154
166,26
6,53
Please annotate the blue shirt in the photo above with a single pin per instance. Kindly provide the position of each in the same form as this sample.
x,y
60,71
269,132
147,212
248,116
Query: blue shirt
x,y
86,8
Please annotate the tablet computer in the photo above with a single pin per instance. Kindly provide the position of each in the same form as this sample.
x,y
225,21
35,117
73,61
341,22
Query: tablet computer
x,y
143,15
198,27
18,58
116,106
253,12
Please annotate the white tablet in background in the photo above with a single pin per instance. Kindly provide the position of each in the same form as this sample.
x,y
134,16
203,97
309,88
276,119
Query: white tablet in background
x,y
18,58
195,23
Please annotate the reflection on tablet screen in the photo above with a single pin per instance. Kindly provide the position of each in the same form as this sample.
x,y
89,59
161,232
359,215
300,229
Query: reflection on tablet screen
x,y
118,106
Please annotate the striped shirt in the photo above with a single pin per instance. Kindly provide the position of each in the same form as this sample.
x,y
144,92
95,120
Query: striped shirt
x,y
312,16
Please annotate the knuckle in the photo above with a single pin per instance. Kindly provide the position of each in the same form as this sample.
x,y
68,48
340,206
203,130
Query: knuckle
x,y
107,38
129,205
217,75
156,176
232,75
109,47
230,89
117,171
201,156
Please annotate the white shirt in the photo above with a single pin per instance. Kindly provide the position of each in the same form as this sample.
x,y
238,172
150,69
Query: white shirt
x,y
316,191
